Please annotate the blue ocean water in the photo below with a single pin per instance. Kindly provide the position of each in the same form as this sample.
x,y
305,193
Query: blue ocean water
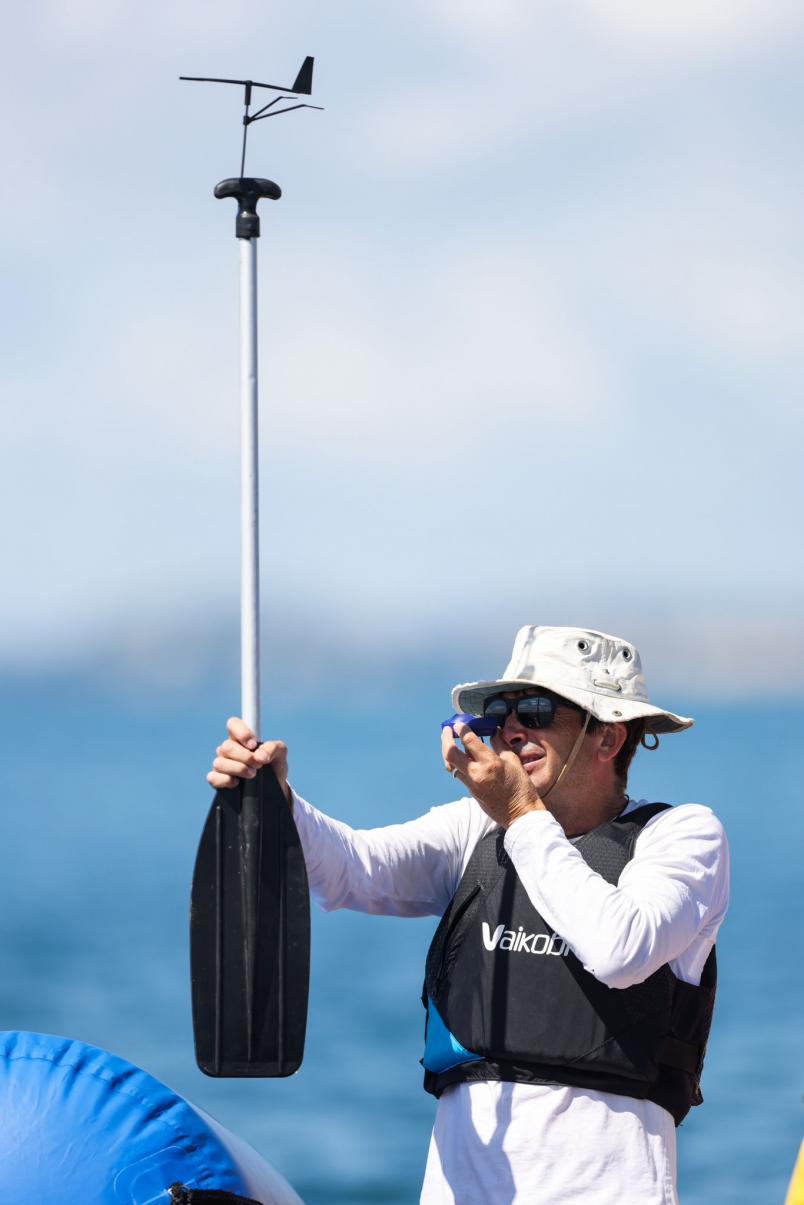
x,y
104,799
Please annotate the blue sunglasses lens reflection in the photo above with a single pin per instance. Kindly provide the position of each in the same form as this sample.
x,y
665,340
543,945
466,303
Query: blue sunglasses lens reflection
x,y
534,711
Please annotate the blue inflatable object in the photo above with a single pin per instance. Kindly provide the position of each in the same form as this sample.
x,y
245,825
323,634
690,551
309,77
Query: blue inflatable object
x,y
81,1126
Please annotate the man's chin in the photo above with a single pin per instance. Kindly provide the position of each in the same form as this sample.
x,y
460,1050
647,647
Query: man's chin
x,y
538,773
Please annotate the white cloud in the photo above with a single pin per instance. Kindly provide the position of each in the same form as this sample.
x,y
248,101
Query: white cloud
x,y
500,100
380,358
716,28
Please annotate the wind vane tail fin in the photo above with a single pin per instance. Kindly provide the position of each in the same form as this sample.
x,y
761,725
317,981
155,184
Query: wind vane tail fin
x,y
304,80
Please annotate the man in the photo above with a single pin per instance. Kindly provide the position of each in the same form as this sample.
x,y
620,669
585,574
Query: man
x,y
570,984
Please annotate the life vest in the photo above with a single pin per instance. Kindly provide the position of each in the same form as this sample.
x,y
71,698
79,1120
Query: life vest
x,y
507,999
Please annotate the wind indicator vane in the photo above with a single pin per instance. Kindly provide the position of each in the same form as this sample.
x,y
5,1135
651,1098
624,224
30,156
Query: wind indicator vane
x,y
301,86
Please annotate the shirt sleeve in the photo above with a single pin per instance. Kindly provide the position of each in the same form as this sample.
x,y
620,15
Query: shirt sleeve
x,y
407,869
666,908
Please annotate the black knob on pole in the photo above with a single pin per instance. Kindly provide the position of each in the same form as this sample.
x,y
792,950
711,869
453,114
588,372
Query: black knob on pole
x,y
247,192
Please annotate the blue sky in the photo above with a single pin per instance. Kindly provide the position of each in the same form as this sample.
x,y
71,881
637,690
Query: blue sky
x,y
531,328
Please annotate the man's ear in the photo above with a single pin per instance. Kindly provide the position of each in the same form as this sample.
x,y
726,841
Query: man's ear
x,y
612,739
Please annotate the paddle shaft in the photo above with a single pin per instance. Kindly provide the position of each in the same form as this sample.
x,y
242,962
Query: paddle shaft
x,y
249,491
250,818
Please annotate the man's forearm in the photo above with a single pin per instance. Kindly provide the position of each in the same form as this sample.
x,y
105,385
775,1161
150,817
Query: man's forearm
x,y
622,934
397,870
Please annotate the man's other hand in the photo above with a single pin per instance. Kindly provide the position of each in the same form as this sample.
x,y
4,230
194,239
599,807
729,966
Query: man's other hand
x,y
241,756
494,776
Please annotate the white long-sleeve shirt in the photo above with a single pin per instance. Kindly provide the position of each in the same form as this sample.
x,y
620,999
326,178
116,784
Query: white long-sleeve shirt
x,y
499,1143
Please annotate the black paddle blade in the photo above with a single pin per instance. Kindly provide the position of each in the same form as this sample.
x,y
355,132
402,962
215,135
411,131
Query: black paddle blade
x,y
250,935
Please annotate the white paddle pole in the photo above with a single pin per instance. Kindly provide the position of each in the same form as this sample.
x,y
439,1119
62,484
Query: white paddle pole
x,y
249,491
248,192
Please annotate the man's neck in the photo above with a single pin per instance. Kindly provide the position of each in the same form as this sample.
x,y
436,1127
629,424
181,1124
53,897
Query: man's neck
x,y
578,814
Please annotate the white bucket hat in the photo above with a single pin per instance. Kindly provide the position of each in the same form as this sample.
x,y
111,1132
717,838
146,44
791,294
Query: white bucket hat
x,y
602,674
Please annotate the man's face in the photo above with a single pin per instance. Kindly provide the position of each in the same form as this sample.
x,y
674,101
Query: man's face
x,y
542,751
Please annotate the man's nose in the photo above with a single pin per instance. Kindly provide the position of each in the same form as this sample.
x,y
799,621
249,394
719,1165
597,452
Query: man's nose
x,y
513,729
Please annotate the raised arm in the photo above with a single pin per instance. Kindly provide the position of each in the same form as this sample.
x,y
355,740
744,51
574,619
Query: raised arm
x,y
666,908
407,869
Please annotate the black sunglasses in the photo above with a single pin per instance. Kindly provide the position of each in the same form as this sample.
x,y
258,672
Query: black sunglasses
x,y
532,711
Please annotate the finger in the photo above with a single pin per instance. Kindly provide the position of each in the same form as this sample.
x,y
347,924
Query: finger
x,y
239,731
499,744
503,750
236,752
231,768
471,742
454,757
510,758
271,751
221,782
457,763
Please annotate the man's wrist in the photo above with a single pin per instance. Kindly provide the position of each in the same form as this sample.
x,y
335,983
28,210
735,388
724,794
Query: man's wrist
x,y
533,804
524,819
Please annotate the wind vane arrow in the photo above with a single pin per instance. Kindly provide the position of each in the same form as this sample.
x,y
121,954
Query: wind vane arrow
x,y
301,86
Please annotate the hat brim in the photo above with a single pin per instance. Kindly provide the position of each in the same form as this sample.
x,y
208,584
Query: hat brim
x,y
470,697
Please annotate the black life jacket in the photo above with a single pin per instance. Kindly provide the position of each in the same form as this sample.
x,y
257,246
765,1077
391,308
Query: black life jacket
x,y
508,1000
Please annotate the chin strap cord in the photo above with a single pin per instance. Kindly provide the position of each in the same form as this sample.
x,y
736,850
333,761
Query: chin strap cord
x,y
574,751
